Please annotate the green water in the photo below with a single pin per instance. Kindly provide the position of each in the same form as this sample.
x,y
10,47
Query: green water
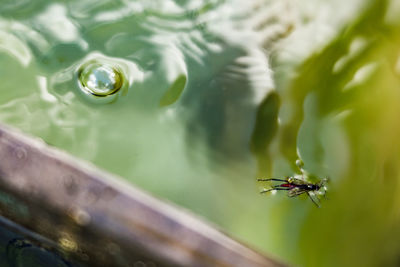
x,y
192,101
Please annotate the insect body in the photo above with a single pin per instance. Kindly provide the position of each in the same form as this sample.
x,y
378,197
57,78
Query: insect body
x,y
297,187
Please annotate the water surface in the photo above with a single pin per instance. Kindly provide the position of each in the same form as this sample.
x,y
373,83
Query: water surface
x,y
179,98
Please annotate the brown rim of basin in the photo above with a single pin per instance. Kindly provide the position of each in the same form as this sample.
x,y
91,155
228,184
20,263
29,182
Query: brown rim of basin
x,y
100,220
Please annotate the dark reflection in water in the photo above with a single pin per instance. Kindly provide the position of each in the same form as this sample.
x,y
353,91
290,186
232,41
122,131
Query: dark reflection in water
x,y
265,129
193,60
224,103
17,251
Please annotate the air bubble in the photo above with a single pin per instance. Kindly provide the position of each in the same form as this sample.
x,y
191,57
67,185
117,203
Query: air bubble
x,y
20,153
103,79
100,79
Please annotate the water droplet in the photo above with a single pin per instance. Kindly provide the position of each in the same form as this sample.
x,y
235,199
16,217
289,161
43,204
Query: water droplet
x,y
20,153
80,216
71,185
100,79
67,243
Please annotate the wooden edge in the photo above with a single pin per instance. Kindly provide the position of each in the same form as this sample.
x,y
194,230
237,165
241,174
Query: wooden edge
x,y
100,220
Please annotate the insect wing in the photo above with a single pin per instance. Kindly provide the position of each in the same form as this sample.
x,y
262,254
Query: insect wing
x,y
313,198
296,181
296,192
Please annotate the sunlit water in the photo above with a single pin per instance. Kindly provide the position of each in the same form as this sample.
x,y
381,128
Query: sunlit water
x,y
179,98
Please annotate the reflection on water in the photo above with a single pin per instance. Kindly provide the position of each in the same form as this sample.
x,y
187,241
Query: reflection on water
x,y
194,115
164,93
16,250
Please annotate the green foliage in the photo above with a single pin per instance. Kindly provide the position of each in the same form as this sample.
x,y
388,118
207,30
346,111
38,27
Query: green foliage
x,y
352,88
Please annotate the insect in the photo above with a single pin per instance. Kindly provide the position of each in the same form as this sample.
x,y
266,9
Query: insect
x,y
297,187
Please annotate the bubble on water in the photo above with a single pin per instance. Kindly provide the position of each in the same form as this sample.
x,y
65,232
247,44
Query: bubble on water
x,y
20,153
100,79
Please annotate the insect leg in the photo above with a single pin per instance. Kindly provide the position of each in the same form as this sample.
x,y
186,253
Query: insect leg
x,y
271,179
313,200
272,189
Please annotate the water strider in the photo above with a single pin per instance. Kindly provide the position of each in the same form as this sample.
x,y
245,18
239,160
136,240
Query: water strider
x,y
297,187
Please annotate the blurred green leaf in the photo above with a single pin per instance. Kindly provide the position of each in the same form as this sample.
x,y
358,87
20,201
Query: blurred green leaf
x,y
351,87
174,91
